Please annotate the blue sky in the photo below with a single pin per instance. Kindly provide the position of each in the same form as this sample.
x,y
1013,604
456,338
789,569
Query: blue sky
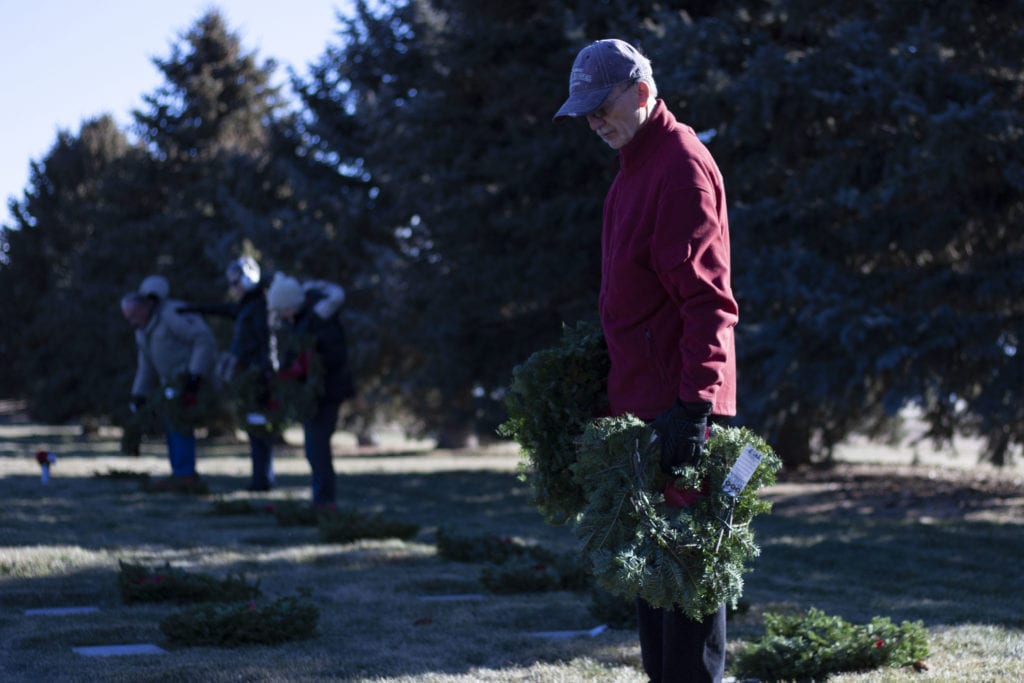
x,y
64,61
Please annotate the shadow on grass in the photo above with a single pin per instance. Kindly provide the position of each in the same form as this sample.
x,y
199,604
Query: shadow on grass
x,y
59,545
950,572
62,550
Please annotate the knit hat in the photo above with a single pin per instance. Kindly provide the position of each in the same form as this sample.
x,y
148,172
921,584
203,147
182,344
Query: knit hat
x,y
155,285
285,293
598,68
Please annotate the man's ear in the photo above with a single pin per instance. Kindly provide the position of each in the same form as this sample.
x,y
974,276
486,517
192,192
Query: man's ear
x,y
644,91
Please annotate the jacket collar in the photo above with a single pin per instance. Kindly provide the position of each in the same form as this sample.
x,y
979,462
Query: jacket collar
x,y
647,139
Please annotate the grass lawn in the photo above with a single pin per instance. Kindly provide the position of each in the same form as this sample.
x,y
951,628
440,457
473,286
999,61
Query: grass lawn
x,y
927,543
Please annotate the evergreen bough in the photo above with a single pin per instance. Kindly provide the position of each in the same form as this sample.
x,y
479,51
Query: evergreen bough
x,y
813,646
139,583
553,395
691,558
479,548
346,526
603,475
283,620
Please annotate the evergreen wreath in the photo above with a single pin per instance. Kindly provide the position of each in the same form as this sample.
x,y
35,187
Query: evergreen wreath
x,y
815,645
142,422
295,513
202,409
295,398
553,395
603,475
346,526
139,583
452,545
513,565
538,571
226,507
283,620
250,392
690,557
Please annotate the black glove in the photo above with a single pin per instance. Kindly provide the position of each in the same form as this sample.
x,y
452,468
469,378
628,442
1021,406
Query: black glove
x,y
682,430
136,402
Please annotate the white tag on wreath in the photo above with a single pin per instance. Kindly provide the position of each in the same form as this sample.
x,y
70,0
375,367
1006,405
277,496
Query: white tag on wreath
x,y
741,471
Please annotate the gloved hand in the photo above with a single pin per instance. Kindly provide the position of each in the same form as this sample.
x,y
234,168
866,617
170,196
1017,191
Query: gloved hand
x,y
136,402
682,430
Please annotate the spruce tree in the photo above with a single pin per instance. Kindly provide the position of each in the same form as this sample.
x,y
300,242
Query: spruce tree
x,y
872,154
209,128
492,208
59,309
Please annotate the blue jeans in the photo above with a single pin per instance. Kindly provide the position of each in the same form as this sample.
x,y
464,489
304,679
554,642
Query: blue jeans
x,y
317,432
181,451
262,463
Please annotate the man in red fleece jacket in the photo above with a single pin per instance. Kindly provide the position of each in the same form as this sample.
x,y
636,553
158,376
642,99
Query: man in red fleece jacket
x,y
666,301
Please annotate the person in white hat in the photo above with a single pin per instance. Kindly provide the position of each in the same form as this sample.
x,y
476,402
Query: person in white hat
x,y
666,303
308,313
170,345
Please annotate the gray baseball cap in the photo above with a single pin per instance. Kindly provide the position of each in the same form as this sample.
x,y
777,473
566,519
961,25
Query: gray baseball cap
x,y
597,69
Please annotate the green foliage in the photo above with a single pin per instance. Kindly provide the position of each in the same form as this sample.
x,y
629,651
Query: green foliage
x,y
201,410
872,154
294,513
553,395
296,399
282,402
521,575
454,163
514,566
227,508
139,424
814,646
479,548
346,526
122,475
283,620
139,583
692,558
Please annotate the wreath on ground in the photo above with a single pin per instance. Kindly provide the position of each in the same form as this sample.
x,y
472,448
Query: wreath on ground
x,y
283,620
678,541
139,583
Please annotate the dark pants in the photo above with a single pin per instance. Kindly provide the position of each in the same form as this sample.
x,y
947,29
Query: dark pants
x,y
676,649
317,431
262,463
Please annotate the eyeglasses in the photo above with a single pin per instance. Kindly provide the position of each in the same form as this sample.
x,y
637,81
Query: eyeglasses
x,y
606,106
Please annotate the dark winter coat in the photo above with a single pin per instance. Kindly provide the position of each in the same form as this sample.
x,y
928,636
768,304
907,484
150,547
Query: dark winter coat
x,y
250,340
327,336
